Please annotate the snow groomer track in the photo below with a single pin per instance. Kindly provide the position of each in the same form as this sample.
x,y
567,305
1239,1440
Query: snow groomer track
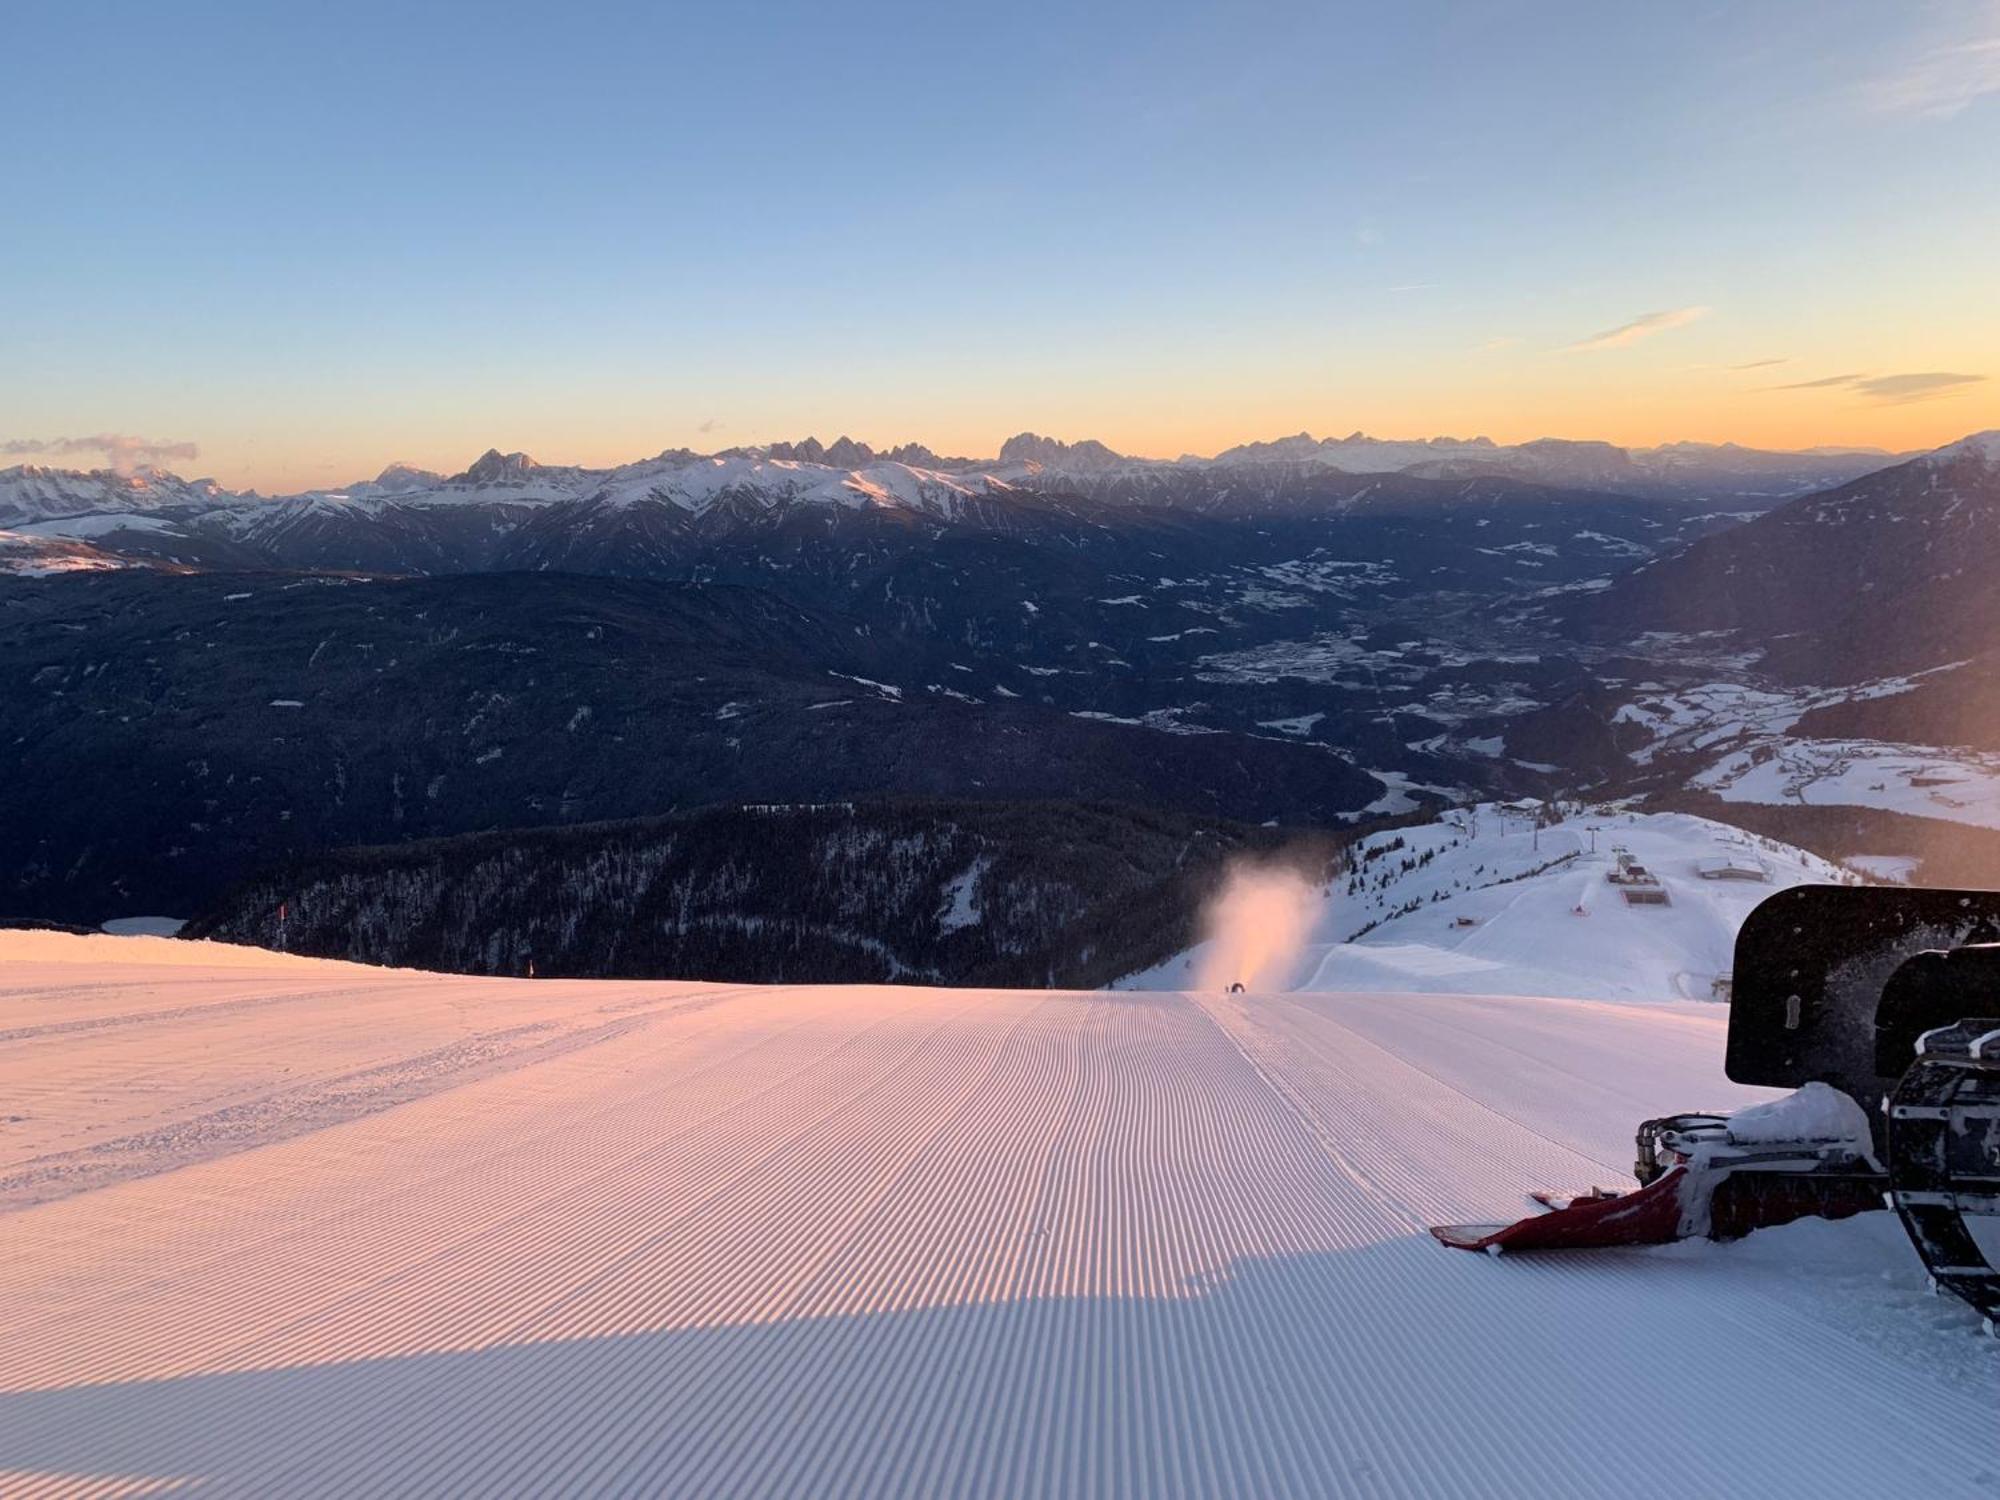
x,y
275,1226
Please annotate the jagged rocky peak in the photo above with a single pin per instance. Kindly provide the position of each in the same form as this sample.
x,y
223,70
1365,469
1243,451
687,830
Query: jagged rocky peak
x,y
851,453
846,453
843,453
493,467
917,456
1052,453
806,451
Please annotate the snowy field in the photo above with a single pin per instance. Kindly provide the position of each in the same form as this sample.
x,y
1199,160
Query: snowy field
x,y
278,1226
1483,903
1957,786
1753,756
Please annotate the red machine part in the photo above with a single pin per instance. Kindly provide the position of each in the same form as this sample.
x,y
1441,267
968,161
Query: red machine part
x,y
1722,1202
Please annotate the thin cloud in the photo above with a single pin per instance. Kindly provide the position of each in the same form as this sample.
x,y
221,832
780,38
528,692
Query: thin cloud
x,y
1900,388
1414,286
1948,77
1890,390
122,451
1642,327
1760,364
711,425
1495,345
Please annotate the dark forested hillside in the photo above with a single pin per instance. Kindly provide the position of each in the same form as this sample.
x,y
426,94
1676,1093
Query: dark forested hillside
x,y
956,893
164,736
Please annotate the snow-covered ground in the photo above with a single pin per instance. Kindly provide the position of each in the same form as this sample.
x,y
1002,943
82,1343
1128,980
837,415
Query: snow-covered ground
x,y
1744,736
1890,869
1719,715
280,1226
27,556
1957,786
1482,903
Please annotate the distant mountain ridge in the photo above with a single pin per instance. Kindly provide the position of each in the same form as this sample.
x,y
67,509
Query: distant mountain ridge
x,y
1891,572
852,472
1885,577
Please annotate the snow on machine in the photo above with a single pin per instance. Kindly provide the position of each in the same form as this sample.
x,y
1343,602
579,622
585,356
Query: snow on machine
x,y
1881,1009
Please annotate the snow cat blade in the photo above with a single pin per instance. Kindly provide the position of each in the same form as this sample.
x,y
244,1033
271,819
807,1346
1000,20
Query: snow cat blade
x,y
1684,1203
1650,1215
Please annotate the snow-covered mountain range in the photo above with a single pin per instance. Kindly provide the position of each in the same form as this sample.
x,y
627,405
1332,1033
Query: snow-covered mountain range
x,y
34,492
852,473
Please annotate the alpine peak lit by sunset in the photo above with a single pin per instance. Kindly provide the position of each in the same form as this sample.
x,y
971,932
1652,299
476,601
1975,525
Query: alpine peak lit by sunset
x,y
285,246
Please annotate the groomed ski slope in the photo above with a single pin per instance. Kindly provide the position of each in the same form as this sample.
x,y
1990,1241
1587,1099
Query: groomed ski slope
x,y
276,1226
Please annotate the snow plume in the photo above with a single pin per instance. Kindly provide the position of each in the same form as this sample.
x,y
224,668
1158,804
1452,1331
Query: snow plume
x,y
1256,925
122,452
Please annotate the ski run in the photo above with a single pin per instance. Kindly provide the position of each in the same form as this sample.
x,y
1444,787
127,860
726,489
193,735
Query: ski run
x,y
275,1226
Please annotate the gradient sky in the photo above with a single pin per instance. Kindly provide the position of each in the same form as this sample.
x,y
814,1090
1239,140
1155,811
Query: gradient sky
x,y
309,238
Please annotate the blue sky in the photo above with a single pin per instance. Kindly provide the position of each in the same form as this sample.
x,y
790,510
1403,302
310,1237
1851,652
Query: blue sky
x,y
313,238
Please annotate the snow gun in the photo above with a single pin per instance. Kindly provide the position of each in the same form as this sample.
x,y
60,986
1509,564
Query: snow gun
x,y
1880,1008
